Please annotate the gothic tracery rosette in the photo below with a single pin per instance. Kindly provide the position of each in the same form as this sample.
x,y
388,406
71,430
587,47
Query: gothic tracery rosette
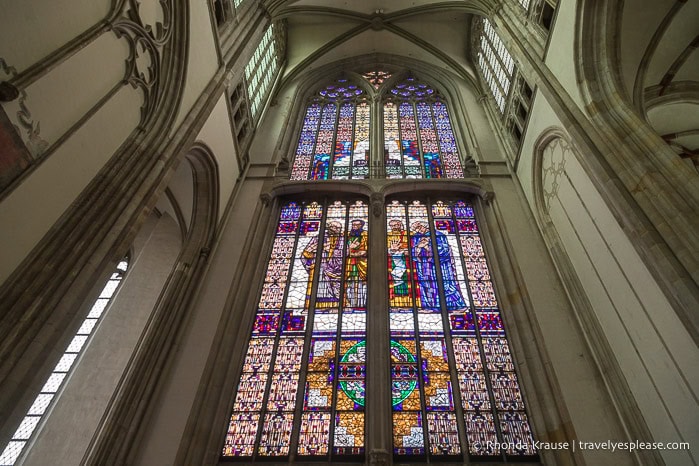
x,y
147,27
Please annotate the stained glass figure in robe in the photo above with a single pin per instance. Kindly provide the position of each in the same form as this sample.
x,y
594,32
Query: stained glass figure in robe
x,y
332,420
331,265
355,274
311,251
449,267
424,416
399,284
425,268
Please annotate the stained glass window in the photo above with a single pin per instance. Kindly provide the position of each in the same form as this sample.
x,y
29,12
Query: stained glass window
x,y
334,141
303,380
452,372
419,140
495,62
53,384
376,78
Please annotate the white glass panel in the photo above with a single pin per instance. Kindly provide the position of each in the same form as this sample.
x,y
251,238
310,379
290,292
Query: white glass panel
x,y
77,344
109,288
11,453
402,321
26,428
98,308
87,326
65,363
353,322
40,404
53,383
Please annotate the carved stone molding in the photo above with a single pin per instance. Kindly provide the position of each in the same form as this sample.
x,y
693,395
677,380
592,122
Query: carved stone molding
x,y
266,199
8,92
553,167
379,457
377,204
146,38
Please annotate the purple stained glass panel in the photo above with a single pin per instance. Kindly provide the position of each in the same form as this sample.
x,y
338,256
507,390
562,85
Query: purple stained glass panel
x,y
409,141
421,112
447,141
321,158
428,138
307,140
392,142
342,156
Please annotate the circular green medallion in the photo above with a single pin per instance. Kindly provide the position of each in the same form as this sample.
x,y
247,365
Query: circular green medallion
x,y
352,370
403,372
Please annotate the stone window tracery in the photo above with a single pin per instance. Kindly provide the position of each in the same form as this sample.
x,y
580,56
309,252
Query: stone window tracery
x,y
303,386
417,134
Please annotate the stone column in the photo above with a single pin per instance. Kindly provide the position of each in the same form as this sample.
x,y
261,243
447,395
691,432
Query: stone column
x,y
378,397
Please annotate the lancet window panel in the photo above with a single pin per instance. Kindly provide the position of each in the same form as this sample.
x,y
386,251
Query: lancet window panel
x,y
454,386
261,70
495,63
419,141
302,387
334,141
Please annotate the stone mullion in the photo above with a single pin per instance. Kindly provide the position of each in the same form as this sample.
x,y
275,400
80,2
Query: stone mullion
x,y
635,173
375,139
378,421
353,139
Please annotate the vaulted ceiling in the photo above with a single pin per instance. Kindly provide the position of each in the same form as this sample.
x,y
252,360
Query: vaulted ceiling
x,y
657,47
659,59
324,31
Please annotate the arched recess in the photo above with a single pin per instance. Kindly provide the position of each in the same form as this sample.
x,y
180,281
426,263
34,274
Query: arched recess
x,y
131,403
136,334
629,326
209,418
652,174
42,297
446,82
675,117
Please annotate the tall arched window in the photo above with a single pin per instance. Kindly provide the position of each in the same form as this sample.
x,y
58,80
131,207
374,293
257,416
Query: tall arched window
x,y
302,387
334,141
454,391
52,387
451,369
418,138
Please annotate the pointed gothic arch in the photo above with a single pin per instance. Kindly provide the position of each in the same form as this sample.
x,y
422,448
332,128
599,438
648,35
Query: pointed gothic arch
x,y
401,129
